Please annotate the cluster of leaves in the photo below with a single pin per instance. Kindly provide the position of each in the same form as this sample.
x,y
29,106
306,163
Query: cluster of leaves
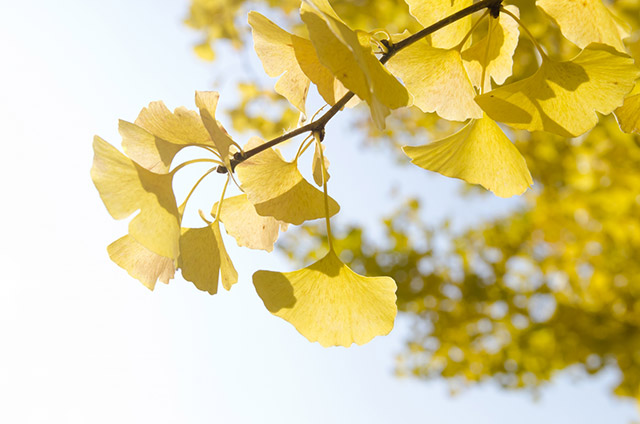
x,y
444,69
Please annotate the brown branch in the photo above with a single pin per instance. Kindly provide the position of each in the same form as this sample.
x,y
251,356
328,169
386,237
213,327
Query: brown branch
x,y
319,124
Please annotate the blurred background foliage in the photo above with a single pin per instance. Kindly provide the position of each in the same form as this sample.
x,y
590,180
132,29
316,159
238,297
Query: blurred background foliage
x,y
555,284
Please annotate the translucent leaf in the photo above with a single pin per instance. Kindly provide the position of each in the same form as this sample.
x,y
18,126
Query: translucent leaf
x,y
498,59
563,97
430,12
242,222
204,51
158,135
204,259
329,303
479,153
629,113
437,80
126,187
276,188
586,21
140,262
275,48
349,56
207,101
317,165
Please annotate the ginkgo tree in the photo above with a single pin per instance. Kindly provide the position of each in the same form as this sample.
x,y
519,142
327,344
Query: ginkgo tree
x,y
457,65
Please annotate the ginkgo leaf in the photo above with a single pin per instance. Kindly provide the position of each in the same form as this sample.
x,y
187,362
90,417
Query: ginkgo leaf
x,y
242,222
480,153
317,165
276,188
140,262
158,135
586,21
430,12
563,97
204,259
207,101
329,303
126,187
151,152
348,54
437,80
629,113
494,52
275,48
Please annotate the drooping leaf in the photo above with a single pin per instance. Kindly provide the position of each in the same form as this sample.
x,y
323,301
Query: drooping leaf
x,y
276,188
317,165
348,54
494,52
329,303
480,153
242,222
125,187
563,97
140,262
437,80
586,21
204,259
629,113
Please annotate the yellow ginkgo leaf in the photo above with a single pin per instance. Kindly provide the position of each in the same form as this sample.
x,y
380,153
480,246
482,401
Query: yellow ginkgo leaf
x,y
586,21
430,12
242,222
494,52
437,80
563,97
183,126
329,303
207,101
330,88
348,54
158,135
126,187
140,262
151,152
479,153
629,113
204,259
317,165
275,48
276,188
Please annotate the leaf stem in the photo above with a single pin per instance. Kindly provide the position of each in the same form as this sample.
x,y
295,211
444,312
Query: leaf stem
x,y
182,207
190,162
224,190
531,37
317,137
319,125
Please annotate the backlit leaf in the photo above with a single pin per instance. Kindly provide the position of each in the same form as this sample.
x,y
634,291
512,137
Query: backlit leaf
x,y
207,101
430,12
204,259
125,187
437,80
563,97
140,262
276,188
317,165
479,153
498,60
329,303
629,113
586,21
242,222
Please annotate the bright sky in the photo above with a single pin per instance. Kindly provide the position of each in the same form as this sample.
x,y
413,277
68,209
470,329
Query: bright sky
x,y
82,342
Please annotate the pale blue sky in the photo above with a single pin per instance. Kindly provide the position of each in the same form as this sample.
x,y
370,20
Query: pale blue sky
x,y
82,342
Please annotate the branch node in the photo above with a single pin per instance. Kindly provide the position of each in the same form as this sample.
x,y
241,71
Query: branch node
x,y
494,9
221,169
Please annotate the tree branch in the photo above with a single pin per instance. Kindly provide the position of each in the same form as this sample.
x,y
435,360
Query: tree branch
x,y
319,124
